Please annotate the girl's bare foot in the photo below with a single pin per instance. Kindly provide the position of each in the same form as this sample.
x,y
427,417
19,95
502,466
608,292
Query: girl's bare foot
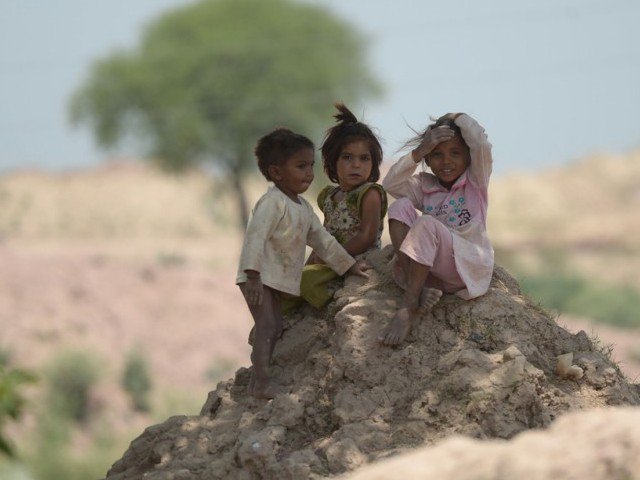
x,y
398,328
398,273
428,298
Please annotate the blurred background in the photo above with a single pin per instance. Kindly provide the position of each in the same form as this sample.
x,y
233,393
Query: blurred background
x,y
126,173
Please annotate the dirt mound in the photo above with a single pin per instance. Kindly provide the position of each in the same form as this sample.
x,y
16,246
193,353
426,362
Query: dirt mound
x,y
551,205
601,444
483,368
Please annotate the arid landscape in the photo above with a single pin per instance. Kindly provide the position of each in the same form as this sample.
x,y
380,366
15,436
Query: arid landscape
x,y
122,259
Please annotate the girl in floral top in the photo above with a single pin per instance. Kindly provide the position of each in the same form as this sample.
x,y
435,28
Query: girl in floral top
x,y
354,209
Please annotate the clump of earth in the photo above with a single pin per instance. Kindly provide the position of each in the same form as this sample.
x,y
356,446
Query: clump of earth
x,y
484,369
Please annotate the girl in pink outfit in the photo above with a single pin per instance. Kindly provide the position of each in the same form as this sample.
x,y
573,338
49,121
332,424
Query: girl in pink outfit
x,y
446,249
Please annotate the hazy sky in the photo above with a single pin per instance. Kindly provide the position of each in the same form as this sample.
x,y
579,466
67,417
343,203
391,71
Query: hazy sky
x,y
551,80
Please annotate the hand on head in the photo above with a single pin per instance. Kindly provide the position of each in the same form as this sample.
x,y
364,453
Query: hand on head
x,y
435,134
431,138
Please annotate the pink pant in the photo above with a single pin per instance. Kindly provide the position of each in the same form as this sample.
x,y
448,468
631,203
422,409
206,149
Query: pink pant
x,y
428,242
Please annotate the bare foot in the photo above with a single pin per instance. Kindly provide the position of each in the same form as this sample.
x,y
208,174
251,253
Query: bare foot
x,y
266,391
428,298
398,328
399,274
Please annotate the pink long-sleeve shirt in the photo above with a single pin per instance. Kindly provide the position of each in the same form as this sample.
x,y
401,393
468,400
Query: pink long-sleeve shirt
x,y
463,209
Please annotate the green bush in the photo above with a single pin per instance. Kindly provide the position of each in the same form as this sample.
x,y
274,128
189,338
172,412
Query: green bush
x,y
11,399
136,381
570,293
50,454
70,377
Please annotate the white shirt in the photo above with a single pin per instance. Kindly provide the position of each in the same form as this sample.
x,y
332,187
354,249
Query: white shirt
x,y
275,239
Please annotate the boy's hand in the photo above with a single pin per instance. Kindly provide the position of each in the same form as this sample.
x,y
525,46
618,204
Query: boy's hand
x,y
253,290
360,269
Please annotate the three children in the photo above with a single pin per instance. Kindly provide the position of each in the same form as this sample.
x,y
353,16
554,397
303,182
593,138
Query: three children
x,y
444,250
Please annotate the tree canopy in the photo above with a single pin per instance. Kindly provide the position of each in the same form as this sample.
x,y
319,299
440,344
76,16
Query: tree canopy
x,y
208,79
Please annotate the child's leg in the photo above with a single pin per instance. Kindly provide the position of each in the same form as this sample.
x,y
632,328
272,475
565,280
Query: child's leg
x,y
397,232
278,323
417,299
402,215
428,243
268,325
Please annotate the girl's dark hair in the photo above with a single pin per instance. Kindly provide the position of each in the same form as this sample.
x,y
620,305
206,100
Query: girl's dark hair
x,y
276,147
447,119
346,131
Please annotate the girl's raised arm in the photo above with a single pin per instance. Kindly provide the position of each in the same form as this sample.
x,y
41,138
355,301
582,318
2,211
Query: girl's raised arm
x,y
400,181
479,147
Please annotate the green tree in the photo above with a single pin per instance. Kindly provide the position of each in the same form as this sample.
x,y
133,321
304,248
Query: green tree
x,y
208,79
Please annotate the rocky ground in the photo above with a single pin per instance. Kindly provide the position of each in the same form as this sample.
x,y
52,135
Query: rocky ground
x,y
484,369
600,444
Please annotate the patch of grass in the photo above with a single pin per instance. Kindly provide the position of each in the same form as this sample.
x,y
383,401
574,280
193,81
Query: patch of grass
x,y
71,376
568,293
52,454
12,400
606,349
136,380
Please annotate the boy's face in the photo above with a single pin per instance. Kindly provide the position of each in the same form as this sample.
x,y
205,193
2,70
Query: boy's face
x,y
449,160
295,175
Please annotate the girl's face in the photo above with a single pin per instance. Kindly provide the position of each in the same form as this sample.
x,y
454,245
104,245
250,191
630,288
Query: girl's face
x,y
295,175
449,160
354,165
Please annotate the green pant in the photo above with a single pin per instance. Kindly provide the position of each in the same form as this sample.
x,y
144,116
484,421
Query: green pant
x,y
313,288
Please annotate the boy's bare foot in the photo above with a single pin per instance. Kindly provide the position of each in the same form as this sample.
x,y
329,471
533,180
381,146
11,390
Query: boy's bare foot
x,y
428,298
266,391
398,273
398,328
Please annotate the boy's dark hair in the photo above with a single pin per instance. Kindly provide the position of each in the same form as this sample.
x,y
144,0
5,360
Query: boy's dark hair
x,y
276,147
346,131
447,119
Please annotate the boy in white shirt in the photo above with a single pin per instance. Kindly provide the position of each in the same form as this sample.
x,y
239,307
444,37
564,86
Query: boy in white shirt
x,y
272,257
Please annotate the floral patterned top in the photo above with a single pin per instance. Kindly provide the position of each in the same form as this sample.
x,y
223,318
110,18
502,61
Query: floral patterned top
x,y
342,218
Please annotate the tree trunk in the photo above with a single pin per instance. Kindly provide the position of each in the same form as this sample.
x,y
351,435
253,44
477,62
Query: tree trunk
x,y
241,197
